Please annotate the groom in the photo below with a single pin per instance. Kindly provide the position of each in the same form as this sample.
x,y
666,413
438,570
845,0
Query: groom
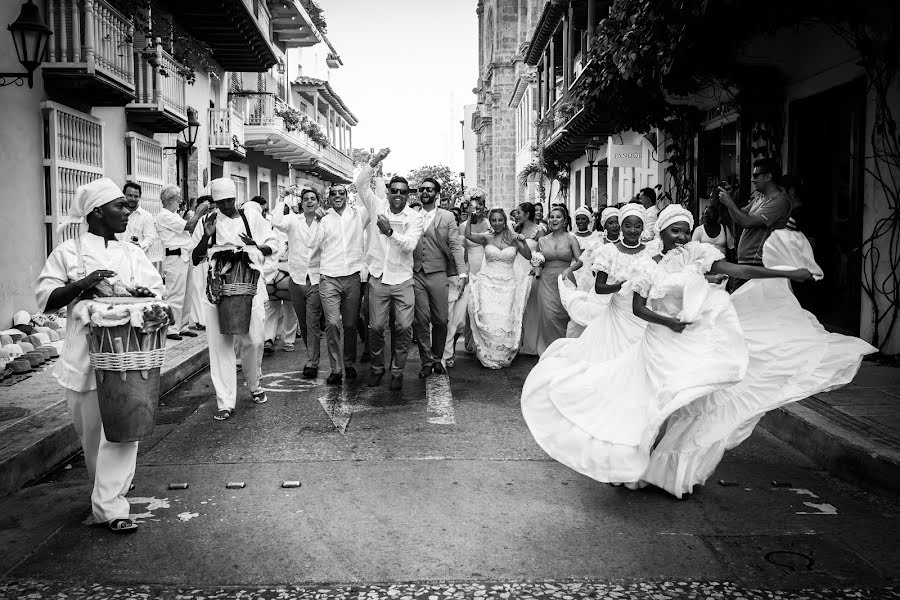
x,y
437,258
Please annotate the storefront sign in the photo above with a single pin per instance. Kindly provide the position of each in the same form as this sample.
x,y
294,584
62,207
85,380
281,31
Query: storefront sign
x,y
626,156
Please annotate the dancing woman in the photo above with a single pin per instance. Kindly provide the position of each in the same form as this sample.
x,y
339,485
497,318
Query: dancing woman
x,y
558,259
528,225
498,294
601,419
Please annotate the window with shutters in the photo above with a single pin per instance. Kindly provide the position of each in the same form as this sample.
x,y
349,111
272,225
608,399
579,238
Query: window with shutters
x,y
145,167
73,156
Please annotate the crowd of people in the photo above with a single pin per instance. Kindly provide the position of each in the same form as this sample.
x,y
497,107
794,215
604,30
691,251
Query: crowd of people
x,y
661,344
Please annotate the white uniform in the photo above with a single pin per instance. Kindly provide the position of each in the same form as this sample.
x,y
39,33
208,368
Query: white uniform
x,y
142,232
176,267
222,359
110,465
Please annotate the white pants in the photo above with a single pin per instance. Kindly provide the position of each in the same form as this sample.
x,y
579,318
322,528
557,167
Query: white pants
x,y
110,465
197,290
281,313
456,322
177,274
223,358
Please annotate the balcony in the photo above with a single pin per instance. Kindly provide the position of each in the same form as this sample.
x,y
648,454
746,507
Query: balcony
x,y
332,165
160,91
292,25
237,31
226,134
90,57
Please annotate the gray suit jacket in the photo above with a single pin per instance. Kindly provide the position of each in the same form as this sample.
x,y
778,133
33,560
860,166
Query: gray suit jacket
x,y
440,248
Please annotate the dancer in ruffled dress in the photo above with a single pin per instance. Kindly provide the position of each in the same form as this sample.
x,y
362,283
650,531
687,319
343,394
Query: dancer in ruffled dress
x,y
586,237
558,259
602,418
499,293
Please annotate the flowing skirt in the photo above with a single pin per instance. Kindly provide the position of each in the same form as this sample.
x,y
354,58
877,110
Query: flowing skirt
x,y
601,417
496,305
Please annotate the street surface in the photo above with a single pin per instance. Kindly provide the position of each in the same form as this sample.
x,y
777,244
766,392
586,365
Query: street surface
x,y
439,492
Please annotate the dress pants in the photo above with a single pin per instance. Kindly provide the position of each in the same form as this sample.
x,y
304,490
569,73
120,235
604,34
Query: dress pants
x,y
381,298
223,357
340,298
432,292
456,321
197,290
308,309
110,465
177,274
280,313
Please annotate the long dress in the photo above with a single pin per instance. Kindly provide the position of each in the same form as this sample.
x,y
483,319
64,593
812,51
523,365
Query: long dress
x,y
791,358
531,320
601,418
496,306
553,317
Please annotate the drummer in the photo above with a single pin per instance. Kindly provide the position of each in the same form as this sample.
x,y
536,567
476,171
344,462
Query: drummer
x,y
100,210
249,231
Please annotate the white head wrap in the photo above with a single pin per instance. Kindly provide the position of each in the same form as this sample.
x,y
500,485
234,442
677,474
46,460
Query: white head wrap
x,y
608,213
88,197
582,210
222,188
673,213
252,206
632,209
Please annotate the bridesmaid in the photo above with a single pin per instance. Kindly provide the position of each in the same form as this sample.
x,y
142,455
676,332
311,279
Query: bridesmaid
x,y
527,226
560,253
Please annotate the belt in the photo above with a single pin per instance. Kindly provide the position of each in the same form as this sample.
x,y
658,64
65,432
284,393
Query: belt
x,y
173,251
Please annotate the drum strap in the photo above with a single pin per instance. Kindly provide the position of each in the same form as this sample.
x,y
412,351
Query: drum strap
x,y
212,238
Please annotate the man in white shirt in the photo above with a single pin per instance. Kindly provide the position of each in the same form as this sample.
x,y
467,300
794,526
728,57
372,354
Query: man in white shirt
x,y
224,229
394,232
141,230
340,239
175,236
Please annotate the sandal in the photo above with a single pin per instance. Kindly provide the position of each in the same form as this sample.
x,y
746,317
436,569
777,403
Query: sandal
x,y
223,415
260,398
122,526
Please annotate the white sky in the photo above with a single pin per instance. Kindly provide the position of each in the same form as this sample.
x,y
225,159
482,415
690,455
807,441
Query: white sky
x,y
409,68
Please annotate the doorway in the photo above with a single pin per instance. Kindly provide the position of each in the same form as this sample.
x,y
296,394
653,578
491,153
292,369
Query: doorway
x,y
827,137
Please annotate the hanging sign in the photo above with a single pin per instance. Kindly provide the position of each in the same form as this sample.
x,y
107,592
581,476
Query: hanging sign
x,y
626,155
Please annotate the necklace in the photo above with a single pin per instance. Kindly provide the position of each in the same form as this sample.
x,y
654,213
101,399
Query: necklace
x,y
625,244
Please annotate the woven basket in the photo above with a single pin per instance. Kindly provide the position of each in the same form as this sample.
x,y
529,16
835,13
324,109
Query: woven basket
x,y
127,364
236,303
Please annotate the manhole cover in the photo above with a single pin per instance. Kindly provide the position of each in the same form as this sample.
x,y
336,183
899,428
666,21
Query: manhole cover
x,y
7,413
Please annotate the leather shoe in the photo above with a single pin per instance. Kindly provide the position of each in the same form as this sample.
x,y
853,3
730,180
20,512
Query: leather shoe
x,y
439,369
349,372
310,372
374,379
187,333
396,382
334,379
173,336
424,372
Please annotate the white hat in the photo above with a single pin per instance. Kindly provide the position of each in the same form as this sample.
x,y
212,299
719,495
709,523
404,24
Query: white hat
x,y
88,197
21,318
222,188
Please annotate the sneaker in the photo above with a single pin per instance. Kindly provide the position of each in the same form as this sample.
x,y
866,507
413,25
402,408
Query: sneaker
x,y
269,348
334,379
310,372
396,382
288,347
439,369
260,398
349,372
223,415
374,378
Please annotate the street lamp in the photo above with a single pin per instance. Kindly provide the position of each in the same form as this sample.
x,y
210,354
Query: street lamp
x,y
591,150
30,36
189,133
462,182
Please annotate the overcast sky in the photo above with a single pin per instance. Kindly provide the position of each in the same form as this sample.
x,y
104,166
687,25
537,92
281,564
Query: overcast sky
x,y
409,67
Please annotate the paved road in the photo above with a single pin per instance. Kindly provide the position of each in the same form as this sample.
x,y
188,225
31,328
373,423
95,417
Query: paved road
x,y
439,492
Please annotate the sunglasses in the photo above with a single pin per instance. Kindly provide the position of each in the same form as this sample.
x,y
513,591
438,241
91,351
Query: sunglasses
x,y
755,175
337,192
430,190
400,191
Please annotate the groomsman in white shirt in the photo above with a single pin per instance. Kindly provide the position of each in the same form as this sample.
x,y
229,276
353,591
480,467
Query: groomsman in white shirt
x,y
394,232
141,230
304,267
340,240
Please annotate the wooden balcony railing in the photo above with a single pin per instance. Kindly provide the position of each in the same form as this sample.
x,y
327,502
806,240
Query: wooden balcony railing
x,y
160,80
226,128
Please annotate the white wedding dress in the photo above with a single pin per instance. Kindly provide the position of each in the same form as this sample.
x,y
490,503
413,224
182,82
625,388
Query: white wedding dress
x,y
600,414
791,358
496,305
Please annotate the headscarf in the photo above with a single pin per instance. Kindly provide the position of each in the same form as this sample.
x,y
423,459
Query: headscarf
x,y
632,209
88,197
252,206
222,188
673,213
607,214
582,210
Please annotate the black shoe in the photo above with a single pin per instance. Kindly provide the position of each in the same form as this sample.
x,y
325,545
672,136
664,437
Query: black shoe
x,y
174,336
423,372
310,372
349,372
198,327
269,348
439,369
396,382
364,357
374,379
187,333
334,379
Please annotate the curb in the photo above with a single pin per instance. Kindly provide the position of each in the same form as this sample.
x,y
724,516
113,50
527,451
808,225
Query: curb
x,y
49,438
842,452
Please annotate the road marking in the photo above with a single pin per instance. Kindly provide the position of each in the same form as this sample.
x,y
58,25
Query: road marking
x,y
821,509
440,400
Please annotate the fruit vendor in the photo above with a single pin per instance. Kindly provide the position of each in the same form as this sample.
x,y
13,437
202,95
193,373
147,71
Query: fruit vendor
x,y
92,260
228,231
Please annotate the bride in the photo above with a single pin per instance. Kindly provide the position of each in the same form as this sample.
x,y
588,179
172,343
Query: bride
x,y
499,292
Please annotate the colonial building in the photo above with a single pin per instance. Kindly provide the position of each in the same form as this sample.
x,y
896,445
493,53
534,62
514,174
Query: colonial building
x,y
108,101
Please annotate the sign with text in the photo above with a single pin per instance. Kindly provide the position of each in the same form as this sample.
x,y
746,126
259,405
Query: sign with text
x,y
626,155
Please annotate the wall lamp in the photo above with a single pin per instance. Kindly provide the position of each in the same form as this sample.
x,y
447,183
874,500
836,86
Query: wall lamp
x,y
30,36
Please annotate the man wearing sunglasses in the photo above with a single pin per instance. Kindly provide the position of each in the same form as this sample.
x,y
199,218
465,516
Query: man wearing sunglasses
x,y
340,238
394,232
438,257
